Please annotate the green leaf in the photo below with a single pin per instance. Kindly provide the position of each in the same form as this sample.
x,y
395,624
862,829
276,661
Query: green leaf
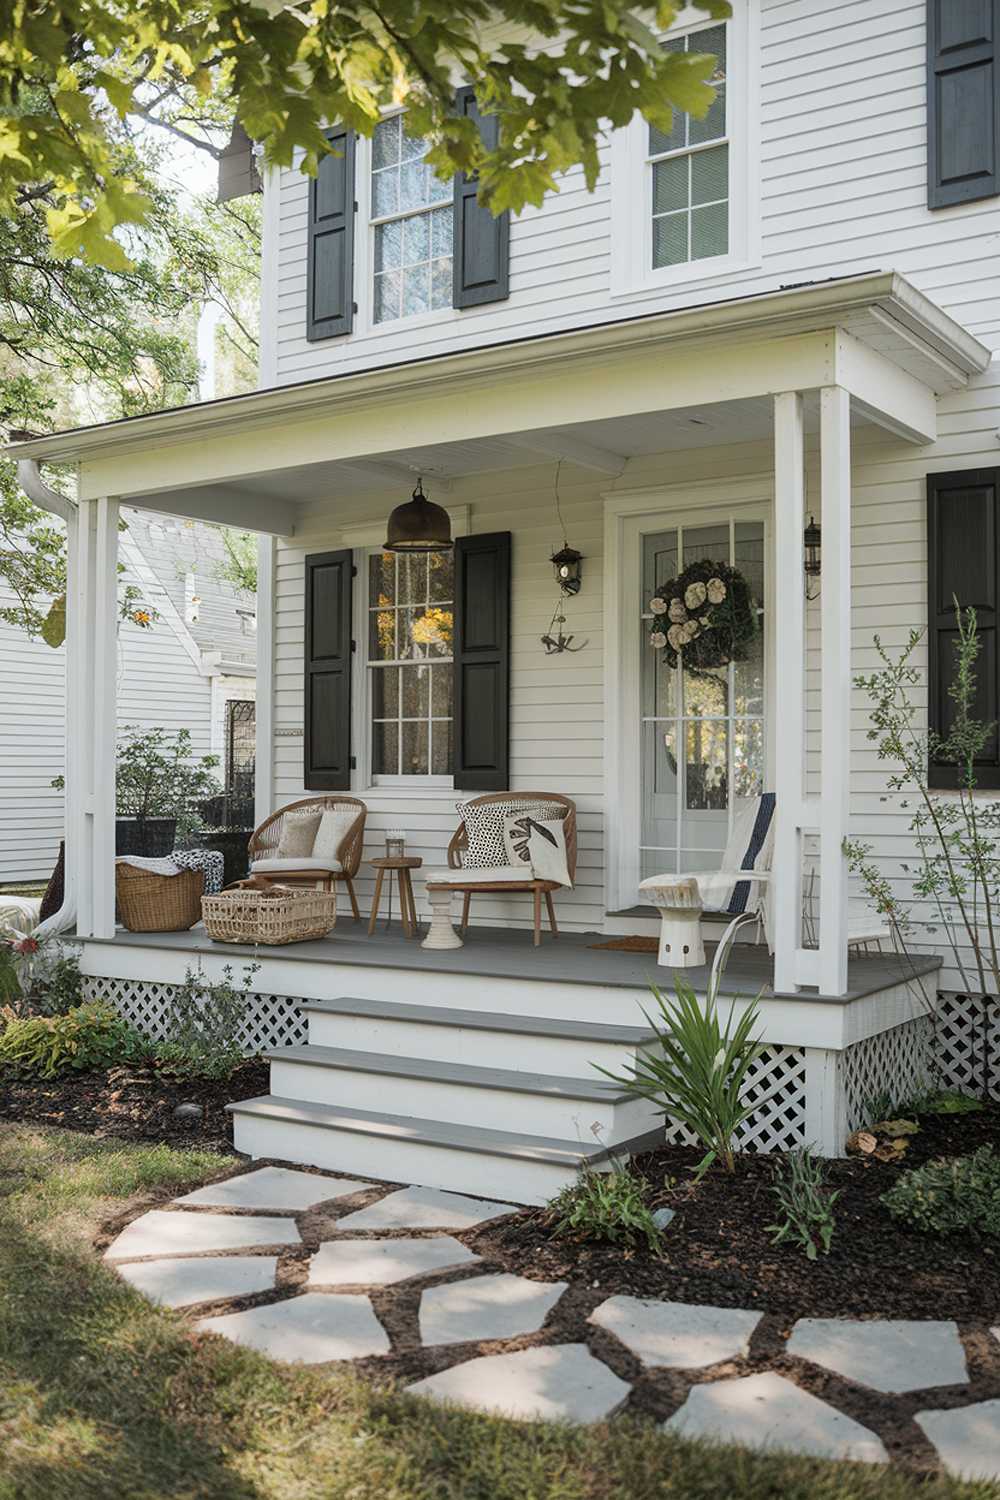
x,y
54,626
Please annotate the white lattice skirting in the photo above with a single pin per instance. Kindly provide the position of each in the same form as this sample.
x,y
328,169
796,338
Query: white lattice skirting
x,y
801,1096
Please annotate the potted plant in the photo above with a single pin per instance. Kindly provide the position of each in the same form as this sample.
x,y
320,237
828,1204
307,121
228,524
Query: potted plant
x,y
159,786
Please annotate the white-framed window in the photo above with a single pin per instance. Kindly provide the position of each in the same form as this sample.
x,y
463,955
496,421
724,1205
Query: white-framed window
x,y
689,169
410,226
684,204
410,678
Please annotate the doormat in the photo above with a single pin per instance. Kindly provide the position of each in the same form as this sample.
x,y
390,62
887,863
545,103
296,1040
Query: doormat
x,y
630,944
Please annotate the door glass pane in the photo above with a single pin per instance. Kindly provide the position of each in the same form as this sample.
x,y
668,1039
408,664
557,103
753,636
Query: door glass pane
x,y
659,792
712,716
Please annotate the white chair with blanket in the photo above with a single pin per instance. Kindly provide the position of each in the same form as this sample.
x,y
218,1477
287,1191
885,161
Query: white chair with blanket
x,y
736,888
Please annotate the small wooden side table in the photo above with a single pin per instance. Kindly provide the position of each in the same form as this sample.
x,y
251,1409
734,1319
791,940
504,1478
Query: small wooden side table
x,y
408,911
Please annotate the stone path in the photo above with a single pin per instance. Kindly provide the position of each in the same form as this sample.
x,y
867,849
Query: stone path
x,y
312,1268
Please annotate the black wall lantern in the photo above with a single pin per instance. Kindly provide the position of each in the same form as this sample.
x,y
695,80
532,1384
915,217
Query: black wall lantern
x,y
812,541
418,526
567,565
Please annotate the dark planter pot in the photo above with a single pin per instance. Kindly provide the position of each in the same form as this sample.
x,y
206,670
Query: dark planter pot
x,y
148,837
232,842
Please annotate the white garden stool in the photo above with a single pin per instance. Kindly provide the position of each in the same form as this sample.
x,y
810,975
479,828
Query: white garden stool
x,y
441,934
679,903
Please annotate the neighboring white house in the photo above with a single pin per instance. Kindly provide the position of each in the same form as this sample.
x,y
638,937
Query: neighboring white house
x,y
198,656
789,309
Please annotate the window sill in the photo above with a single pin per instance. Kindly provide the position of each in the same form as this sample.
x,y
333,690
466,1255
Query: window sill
x,y
393,791
678,278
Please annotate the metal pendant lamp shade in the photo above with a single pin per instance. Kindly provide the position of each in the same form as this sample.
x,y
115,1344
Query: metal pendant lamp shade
x,y
418,526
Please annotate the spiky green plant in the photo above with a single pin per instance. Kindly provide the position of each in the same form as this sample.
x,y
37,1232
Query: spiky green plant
x,y
696,1069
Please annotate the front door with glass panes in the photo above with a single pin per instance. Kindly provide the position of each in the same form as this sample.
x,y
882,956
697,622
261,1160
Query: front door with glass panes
x,y
701,733
410,664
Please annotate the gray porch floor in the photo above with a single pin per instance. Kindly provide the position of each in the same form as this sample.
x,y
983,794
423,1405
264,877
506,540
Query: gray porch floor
x,y
508,953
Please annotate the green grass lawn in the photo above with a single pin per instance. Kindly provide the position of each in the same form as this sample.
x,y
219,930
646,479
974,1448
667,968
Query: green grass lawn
x,y
103,1395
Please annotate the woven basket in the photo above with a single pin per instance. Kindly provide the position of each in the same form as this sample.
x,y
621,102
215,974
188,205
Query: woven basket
x,y
274,916
158,903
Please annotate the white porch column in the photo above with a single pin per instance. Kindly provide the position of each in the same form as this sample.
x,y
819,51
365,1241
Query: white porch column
x,y
264,712
835,692
789,694
92,715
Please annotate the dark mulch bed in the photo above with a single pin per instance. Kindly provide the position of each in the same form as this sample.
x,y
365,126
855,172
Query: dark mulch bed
x,y
135,1104
716,1249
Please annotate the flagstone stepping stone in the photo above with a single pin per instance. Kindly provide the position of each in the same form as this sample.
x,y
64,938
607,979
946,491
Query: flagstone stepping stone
x,y
768,1411
486,1307
425,1208
163,1233
308,1330
274,1188
967,1439
675,1335
182,1283
562,1382
888,1355
379,1262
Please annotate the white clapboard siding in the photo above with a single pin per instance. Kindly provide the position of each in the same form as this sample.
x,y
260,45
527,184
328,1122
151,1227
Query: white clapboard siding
x,y
841,128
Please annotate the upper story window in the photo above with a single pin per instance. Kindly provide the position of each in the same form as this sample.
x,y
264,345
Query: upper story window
x,y
690,170
411,218
685,202
410,663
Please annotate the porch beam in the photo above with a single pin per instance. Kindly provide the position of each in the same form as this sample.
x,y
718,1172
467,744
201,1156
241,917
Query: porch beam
x,y
570,449
246,511
835,688
790,656
885,393
489,405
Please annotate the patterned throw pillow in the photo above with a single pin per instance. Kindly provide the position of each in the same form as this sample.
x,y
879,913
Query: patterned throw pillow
x,y
298,830
484,827
538,845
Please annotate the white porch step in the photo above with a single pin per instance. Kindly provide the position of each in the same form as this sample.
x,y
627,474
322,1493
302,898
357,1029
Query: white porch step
x,y
569,1109
508,1166
556,1045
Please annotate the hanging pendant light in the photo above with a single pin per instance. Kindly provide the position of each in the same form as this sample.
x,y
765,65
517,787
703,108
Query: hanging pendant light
x,y
418,526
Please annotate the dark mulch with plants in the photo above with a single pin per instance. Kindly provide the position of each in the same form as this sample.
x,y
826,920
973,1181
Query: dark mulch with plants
x,y
716,1249
135,1104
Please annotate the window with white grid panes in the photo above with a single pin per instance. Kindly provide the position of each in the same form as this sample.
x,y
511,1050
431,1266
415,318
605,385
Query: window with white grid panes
x,y
411,217
689,169
410,663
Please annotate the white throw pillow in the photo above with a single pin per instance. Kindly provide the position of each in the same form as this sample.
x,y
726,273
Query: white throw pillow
x,y
537,846
298,830
334,826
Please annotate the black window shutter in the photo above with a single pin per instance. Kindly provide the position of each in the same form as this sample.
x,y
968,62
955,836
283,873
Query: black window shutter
x,y
963,101
328,672
482,662
481,267
330,276
963,537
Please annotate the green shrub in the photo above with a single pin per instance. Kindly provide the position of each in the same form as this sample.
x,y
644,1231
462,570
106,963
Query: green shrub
x,y
806,1204
605,1206
58,987
950,1194
695,1071
205,1024
85,1039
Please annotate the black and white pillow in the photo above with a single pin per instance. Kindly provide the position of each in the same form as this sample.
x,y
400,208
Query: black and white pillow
x,y
538,845
484,828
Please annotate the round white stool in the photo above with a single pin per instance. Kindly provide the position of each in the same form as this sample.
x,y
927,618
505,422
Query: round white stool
x,y
441,934
679,903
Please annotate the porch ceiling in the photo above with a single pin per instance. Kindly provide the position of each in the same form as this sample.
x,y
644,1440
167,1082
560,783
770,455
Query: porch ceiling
x,y
596,397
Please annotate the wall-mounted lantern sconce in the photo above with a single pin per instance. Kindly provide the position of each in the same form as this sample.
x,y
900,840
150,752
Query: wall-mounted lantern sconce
x,y
418,526
812,541
567,565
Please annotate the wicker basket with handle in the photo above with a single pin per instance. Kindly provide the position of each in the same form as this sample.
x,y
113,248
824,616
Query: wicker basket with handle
x,y
275,916
148,902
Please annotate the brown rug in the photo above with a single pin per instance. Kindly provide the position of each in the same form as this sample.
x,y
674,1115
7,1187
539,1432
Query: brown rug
x,y
630,944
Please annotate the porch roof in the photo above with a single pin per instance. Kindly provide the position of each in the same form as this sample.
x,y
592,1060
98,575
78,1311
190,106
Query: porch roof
x,y
251,459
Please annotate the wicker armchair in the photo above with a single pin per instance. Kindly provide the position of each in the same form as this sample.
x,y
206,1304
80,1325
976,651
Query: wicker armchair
x,y
264,841
561,806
